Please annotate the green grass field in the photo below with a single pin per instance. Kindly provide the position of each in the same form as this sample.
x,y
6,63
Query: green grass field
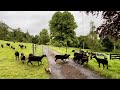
x,y
12,69
113,71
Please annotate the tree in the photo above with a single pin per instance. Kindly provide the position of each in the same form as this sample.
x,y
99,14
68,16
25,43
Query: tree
x,y
3,31
35,39
18,35
107,44
92,37
81,40
44,37
9,34
118,44
28,37
92,26
111,25
62,26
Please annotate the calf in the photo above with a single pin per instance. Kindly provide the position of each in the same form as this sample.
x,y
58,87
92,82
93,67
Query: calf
x,y
84,59
17,55
22,57
35,58
62,57
103,61
77,58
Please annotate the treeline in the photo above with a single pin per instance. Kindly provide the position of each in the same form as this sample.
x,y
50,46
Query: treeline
x,y
97,45
16,35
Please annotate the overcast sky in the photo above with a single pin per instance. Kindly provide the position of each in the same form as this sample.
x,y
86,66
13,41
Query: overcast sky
x,y
35,21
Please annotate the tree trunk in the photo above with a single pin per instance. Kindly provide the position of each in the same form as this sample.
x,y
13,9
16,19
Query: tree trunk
x,y
83,45
66,49
33,48
114,47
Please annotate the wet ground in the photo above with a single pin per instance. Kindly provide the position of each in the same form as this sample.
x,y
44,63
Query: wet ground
x,y
68,70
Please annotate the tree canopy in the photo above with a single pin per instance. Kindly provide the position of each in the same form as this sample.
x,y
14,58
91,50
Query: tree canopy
x,y
9,34
111,24
44,37
62,26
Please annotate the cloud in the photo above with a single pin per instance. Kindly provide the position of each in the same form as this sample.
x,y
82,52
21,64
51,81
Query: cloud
x,y
83,22
35,21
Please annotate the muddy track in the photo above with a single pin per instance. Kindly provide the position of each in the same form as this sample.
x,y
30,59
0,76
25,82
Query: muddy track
x,y
69,70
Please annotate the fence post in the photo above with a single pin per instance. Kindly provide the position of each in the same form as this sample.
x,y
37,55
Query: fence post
x,y
66,49
42,49
66,46
33,48
110,56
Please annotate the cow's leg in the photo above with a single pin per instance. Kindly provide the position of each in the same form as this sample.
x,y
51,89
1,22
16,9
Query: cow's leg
x,y
103,66
28,62
16,57
99,65
82,62
38,63
63,60
22,61
107,66
31,63
55,59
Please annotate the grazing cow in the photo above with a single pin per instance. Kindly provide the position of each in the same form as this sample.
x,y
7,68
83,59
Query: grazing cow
x,y
22,57
35,58
8,44
14,48
2,45
21,46
103,61
17,55
11,46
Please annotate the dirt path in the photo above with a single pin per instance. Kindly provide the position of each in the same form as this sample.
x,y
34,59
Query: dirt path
x,y
68,70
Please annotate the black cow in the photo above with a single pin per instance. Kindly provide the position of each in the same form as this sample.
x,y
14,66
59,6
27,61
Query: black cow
x,y
17,55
